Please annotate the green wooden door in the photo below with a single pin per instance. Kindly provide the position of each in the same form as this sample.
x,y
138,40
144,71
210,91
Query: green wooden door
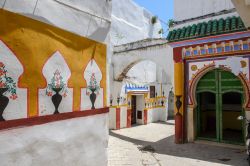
x,y
219,97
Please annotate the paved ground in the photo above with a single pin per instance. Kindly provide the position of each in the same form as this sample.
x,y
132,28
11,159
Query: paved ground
x,y
125,148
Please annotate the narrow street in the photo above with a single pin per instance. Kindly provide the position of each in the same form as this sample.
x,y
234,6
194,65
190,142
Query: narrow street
x,y
153,145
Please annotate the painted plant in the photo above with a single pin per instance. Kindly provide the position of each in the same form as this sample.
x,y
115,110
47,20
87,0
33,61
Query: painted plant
x,y
56,89
8,87
94,88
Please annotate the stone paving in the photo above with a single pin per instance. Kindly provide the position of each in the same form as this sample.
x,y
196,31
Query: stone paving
x,y
153,145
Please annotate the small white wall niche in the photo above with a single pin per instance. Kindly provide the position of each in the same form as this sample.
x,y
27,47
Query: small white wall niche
x,y
17,107
93,77
56,67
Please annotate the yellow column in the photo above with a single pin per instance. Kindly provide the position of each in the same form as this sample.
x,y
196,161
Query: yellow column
x,y
179,84
179,100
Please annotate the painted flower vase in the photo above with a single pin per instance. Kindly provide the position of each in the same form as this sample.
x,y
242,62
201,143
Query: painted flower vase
x,y
56,99
92,97
178,102
162,103
4,101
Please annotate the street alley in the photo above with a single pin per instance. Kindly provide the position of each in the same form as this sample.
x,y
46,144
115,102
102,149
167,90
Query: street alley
x,y
153,145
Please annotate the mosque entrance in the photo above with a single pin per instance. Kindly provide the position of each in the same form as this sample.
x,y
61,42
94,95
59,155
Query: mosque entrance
x,y
219,97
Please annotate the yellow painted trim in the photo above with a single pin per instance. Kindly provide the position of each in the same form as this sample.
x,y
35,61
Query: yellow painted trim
x,y
33,43
179,84
124,105
119,106
155,107
179,78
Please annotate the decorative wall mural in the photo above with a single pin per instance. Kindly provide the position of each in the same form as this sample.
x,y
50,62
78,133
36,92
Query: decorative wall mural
x,y
7,87
57,97
92,96
13,100
47,69
94,87
55,88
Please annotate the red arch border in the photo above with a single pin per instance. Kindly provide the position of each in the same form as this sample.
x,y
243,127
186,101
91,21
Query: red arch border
x,y
210,67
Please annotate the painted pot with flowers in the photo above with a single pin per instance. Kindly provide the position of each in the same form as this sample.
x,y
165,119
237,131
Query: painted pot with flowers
x,y
56,89
7,89
94,89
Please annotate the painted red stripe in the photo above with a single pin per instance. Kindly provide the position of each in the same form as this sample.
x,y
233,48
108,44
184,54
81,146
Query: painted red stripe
x,y
118,118
145,117
50,118
129,118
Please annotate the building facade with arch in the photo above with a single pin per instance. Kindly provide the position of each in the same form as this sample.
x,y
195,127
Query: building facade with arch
x,y
211,62
141,83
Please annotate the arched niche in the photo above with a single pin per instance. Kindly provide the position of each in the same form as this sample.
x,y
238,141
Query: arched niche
x,y
93,76
17,106
56,67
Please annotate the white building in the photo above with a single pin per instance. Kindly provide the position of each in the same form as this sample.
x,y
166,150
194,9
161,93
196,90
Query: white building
x,y
139,61
142,83
67,142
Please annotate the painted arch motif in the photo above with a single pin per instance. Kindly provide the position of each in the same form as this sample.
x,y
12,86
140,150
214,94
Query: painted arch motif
x,y
56,97
92,95
239,66
15,104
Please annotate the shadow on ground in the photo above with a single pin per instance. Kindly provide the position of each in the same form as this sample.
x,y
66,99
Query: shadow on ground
x,y
210,153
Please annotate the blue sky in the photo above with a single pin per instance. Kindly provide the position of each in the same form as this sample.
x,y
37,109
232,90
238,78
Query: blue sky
x,y
164,9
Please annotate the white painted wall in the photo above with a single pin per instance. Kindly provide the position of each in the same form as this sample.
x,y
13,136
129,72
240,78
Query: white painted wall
x,y
112,118
79,141
185,9
90,19
161,55
156,115
123,117
131,22
170,108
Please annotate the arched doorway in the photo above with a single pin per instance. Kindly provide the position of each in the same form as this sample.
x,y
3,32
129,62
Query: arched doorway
x,y
219,96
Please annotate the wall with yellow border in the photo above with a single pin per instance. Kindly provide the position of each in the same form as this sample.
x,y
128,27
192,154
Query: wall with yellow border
x,y
33,43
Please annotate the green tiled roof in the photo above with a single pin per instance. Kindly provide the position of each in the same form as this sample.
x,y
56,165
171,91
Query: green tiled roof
x,y
212,27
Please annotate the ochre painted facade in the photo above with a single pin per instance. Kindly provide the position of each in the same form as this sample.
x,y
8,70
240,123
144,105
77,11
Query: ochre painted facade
x,y
33,43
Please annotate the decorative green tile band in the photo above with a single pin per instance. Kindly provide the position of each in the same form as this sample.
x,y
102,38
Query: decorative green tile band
x,y
212,27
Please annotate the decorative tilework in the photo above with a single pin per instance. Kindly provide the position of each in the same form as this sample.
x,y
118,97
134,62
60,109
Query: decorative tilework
x,y
229,46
